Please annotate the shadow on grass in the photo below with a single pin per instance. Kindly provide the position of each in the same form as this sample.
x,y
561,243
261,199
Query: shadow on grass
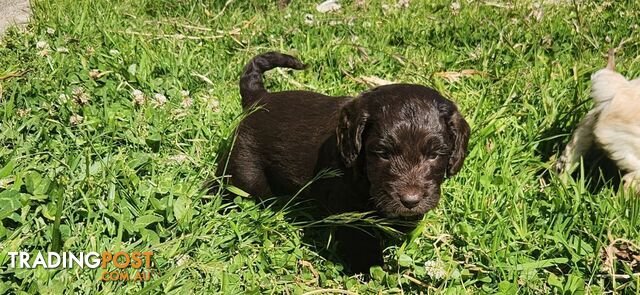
x,y
323,233
599,170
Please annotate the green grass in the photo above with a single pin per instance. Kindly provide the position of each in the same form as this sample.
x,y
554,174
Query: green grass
x,y
127,177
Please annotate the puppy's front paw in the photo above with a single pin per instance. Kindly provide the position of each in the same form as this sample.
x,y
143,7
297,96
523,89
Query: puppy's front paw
x,y
562,164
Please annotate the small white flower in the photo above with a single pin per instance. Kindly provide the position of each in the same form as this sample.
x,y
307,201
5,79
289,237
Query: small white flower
x,y
138,97
77,91
94,74
23,112
160,99
537,12
80,96
76,120
42,44
114,52
43,52
455,6
63,97
214,105
51,31
187,102
361,278
83,99
308,19
182,260
62,50
184,93
435,269
403,3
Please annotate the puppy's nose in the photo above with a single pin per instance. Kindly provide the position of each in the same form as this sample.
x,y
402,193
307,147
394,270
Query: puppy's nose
x,y
410,200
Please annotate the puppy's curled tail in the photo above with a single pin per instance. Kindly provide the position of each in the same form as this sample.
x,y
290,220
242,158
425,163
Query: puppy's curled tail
x,y
607,83
251,85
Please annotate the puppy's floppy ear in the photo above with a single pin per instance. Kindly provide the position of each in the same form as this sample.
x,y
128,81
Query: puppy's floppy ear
x,y
351,122
460,130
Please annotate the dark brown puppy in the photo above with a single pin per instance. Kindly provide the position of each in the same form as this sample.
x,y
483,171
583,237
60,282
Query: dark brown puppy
x,y
394,144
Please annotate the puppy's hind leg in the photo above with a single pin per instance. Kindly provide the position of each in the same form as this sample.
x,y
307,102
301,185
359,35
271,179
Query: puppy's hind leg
x,y
580,143
621,141
244,169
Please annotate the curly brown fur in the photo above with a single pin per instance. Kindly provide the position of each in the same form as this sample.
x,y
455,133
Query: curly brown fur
x,y
395,145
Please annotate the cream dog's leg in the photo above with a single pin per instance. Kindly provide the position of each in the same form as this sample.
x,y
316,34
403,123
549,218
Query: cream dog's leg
x,y
580,143
632,180
618,133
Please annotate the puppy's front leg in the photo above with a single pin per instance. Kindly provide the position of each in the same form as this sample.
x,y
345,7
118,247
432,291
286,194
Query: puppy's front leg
x,y
359,249
580,143
632,181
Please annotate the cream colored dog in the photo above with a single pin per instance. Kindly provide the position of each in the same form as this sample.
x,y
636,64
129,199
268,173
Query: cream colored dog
x,y
613,124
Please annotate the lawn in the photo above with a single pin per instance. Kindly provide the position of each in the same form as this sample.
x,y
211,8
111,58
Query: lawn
x,y
112,113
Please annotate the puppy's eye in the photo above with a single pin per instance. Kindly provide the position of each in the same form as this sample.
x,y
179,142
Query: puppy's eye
x,y
382,154
432,155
